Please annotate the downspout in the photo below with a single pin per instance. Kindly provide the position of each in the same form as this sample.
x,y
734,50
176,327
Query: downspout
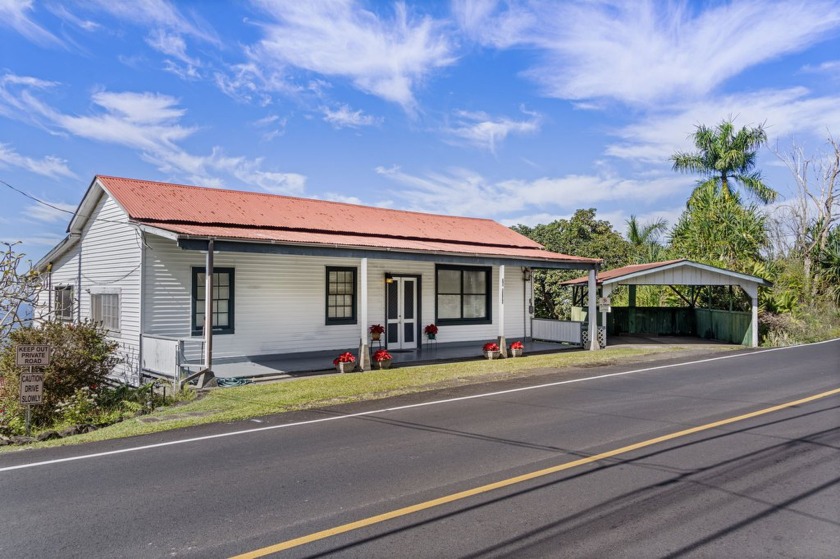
x,y
142,289
79,286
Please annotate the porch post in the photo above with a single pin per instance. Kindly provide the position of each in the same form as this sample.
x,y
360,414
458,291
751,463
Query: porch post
x,y
208,307
502,342
591,316
364,351
606,291
752,291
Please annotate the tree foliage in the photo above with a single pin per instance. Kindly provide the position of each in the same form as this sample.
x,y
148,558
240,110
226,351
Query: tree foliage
x,y
726,158
581,235
719,230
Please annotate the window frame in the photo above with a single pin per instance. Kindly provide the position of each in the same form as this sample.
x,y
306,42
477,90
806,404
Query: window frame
x,y
198,329
60,315
353,319
488,295
102,318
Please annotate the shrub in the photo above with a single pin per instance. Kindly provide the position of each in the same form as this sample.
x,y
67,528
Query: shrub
x,y
82,358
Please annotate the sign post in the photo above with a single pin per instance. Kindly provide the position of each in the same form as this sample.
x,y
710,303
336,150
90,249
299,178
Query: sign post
x,y
32,383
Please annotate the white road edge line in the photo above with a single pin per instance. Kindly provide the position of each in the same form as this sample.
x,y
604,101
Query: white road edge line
x,y
384,410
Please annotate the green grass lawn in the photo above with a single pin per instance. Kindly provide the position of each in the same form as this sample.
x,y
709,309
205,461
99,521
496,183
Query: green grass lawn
x,y
256,400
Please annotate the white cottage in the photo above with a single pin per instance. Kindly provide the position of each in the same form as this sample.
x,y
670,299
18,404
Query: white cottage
x,y
288,275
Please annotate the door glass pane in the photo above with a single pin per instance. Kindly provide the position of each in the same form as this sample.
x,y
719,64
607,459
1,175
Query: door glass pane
x,y
449,281
475,282
408,332
393,298
475,306
449,306
393,332
408,294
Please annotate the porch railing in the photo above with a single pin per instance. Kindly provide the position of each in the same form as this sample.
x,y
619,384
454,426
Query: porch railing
x,y
566,331
169,357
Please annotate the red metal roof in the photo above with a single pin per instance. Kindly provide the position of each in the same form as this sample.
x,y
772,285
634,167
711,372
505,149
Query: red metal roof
x,y
257,217
619,272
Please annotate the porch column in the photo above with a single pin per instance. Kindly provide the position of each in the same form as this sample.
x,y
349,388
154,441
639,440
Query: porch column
x,y
752,291
208,307
606,291
502,342
591,316
364,350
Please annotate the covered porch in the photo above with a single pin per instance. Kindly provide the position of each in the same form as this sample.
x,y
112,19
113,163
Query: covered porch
x,y
293,365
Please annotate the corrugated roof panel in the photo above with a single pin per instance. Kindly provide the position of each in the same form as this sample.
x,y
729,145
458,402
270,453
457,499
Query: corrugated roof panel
x,y
156,202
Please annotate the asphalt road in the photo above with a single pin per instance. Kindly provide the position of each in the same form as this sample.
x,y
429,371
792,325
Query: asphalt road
x,y
556,448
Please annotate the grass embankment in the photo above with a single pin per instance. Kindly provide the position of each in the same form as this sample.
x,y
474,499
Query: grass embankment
x,y
252,401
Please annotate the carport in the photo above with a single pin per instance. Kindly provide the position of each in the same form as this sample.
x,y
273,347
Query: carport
x,y
686,279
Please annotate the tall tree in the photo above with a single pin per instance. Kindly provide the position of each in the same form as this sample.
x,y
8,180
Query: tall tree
x,y
645,238
719,230
726,158
808,219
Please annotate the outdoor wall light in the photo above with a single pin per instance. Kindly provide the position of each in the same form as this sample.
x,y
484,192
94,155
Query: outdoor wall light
x,y
389,278
526,274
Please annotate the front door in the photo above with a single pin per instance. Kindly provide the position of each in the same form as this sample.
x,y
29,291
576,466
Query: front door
x,y
402,313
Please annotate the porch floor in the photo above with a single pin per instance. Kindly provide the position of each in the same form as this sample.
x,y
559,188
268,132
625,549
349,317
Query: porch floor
x,y
303,364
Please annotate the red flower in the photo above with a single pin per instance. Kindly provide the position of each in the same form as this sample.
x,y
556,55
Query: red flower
x,y
517,345
345,357
491,346
382,355
430,329
376,329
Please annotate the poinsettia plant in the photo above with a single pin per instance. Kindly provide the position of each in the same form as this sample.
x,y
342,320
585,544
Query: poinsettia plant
x,y
345,357
382,355
517,345
491,346
376,329
430,329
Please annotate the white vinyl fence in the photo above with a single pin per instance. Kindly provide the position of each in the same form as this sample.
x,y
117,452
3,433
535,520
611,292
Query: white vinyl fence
x,y
557,330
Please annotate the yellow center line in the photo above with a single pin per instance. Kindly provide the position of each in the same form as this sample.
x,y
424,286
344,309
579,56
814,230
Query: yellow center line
x,y
282,546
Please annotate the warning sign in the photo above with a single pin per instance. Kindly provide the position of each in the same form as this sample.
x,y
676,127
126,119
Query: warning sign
x,y
33,355
31,388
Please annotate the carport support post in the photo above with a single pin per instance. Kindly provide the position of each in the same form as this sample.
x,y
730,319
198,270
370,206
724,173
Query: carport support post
x,y
591,314
364,351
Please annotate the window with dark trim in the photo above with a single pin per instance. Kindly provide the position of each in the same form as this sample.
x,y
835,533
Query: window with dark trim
x,y
64,303
341,295
462,294
223,300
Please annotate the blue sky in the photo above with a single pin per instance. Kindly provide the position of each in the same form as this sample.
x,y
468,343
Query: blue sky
x,y
517,111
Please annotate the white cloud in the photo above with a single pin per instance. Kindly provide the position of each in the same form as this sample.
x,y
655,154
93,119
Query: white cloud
x,y
384,56
58,212
62,12
158,14
464,192
345,117
784,112
481,130
647,52
831,68
16,14
48,166
149,123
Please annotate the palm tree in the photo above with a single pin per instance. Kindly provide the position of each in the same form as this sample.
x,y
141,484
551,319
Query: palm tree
x,y
645,238
726,157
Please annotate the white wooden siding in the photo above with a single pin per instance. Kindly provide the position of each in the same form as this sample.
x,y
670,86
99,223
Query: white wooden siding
x,y
280,300
65,271
110,252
